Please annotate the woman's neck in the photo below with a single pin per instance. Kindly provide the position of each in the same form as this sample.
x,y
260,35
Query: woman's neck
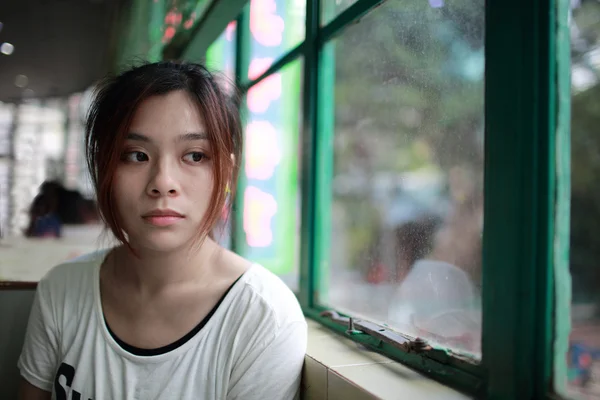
x,y
151,272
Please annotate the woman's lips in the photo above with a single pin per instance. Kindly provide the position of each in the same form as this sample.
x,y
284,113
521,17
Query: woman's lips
x,y
162,220
162,217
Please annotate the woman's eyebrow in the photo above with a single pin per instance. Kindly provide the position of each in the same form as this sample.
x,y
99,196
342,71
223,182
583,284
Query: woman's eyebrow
x,y
192,136
181,138
138,137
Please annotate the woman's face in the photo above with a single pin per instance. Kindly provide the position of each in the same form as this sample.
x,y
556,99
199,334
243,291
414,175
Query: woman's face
x,y
163,183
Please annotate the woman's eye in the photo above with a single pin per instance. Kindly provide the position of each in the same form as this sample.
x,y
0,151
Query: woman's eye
x,y
136,157
194,157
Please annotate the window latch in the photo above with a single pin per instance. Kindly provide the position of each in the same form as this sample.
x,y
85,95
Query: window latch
x,y
397,340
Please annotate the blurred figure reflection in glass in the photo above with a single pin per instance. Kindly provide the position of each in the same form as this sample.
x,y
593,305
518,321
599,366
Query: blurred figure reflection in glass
x,y
439,296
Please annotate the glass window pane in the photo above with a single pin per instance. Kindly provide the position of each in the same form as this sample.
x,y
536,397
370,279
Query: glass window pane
x,y
268,232
407,201
276,27
332,8
584,347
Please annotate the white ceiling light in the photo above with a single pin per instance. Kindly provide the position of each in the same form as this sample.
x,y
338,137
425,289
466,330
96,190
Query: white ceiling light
x,y
7,48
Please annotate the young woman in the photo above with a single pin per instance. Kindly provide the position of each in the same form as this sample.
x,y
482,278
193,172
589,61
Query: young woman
x,y
167,314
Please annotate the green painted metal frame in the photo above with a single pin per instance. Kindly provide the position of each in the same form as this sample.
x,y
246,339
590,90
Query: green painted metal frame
x,y
242,63
287,58
157,16
520,185
310,149
526,191
446,369
562,275
351,15
191,45
324,177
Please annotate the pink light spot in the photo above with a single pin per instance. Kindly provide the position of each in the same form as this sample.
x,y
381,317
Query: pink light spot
x,y
170,18
261,95
173,17
230,30
265,25
262,150
259,209
169,33
258,66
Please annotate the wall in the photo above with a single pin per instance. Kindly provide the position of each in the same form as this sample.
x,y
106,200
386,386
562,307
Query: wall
x,y
14,312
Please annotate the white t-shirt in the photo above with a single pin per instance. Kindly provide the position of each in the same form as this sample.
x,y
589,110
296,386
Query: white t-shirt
x,y
252,347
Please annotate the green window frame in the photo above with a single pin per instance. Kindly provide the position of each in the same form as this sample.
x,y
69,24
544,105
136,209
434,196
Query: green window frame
x,y
526,281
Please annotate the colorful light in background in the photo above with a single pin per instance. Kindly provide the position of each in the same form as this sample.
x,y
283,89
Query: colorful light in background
x,y
266,25
181,14
259,208
268,180
260,96
167,17
263,150
230,31
269,186
7,48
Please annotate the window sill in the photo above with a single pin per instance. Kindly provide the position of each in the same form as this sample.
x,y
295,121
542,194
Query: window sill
x,y
338,368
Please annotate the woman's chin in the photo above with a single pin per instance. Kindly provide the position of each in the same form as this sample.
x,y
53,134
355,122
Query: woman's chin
x,y
161,243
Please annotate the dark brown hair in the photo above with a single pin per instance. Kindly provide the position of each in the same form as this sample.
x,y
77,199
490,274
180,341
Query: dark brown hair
x,y
115,103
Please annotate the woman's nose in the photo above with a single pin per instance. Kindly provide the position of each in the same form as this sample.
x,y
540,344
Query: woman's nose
x,y
163,182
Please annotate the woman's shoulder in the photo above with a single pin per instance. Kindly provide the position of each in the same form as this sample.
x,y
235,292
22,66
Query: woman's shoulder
x,y
77,272
265,293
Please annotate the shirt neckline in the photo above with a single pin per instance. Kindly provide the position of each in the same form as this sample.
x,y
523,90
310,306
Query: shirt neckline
x,y
190,342
138,351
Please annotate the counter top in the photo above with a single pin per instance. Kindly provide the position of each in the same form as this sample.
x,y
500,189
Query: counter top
x,y
29,259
